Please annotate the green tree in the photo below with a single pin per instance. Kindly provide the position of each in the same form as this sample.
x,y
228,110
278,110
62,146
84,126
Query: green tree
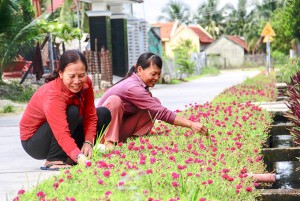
x,y
286,24
176,9
211,18
182,53
14,15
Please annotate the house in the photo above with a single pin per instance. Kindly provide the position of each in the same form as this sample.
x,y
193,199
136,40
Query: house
x,y
227,52
204,37
172,33
154,40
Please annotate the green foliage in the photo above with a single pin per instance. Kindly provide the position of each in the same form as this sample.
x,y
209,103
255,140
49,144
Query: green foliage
x,y
210,70
279,58
182,53
15,92
15,15
288,70
8,109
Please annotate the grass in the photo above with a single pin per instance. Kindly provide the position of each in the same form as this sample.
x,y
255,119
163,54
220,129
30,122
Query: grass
x,y
8,109
15,92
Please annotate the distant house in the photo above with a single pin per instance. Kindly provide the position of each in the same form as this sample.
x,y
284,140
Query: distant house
x,y
172,33
167,31
154,41
227,52
205,38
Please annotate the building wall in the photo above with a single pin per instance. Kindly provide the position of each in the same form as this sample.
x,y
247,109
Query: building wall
x,y
225,54
183,33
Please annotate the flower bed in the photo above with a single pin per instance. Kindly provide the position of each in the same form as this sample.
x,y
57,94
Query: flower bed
x,y
174,163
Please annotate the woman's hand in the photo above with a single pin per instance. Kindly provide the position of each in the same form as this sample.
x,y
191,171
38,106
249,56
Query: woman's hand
x,y
81,159
199,128
87,149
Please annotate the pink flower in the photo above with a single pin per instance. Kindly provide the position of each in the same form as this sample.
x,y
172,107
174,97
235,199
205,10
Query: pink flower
x,y
123,174
248,188
106,173
209,181
175,175
88,163
55,185
175,184
121,183
149,171
181,167
40,194
152,160
189,174
100,181
202,199
20,192
107,193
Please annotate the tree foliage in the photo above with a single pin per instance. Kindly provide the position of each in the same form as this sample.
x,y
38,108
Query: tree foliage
x,y
182,53
176,10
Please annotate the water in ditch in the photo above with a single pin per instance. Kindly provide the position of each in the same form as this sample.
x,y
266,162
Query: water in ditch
x,y
287,171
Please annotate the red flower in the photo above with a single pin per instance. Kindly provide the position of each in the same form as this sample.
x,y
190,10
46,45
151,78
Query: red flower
x,y
248,188
175,175
20,192
88,163
149,171
40,194
175,184
106,173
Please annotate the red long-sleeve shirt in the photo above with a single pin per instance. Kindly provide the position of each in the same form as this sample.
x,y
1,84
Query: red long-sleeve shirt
x,y
135,96
49,103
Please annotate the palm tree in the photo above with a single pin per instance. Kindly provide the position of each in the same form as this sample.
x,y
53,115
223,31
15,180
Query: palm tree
x,y
176,9
211,18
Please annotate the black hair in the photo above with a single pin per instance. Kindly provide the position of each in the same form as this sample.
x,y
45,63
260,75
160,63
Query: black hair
x,y
69,56
145,60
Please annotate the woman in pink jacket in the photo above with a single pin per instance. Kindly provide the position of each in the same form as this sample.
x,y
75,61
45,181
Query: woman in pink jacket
x,y
60,122
132,107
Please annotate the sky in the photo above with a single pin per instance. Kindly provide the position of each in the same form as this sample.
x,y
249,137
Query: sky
x,y
151,9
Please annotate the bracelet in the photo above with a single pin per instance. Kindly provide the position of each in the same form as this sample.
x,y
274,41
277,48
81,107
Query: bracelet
x,y
88,142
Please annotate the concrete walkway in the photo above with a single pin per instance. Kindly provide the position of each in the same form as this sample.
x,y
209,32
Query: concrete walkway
x,y
20,171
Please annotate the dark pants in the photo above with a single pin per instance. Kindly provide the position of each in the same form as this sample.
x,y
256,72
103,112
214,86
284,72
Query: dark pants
x,y
43,144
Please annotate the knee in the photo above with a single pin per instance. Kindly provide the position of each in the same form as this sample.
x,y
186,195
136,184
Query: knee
x,y
113,103
104,113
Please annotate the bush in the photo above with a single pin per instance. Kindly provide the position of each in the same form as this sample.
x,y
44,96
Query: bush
x,y
15,92
8,109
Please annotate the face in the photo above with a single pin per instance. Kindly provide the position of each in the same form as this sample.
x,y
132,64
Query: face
x,y
74,76
150,75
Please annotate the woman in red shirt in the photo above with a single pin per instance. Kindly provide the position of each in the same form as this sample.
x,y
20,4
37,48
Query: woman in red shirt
x,y
60,122
132,106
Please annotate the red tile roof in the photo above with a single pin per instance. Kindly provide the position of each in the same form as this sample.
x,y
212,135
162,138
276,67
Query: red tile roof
x,y
165,29
238,41
56,4
203,37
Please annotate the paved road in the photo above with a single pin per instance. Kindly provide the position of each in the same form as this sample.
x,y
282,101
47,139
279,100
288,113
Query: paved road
x,y
19,171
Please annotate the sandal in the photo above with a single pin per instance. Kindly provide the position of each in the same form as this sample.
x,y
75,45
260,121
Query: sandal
x,y
55,167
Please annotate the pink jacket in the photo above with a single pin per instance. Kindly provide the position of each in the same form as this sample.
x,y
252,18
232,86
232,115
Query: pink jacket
x,y
136,97
49,103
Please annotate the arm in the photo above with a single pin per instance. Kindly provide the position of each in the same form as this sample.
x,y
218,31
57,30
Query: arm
x,y
195,126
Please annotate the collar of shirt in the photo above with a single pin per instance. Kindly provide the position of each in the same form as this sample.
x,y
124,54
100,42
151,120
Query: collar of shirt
x,y
142,82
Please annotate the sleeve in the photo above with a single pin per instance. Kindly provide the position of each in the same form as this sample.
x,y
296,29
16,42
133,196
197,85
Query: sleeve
x,y
55,111
142,99
89,114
